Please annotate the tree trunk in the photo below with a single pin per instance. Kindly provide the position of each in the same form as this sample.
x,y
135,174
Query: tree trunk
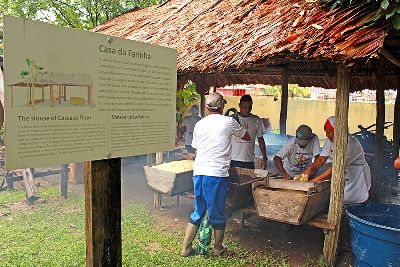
x,y
340,148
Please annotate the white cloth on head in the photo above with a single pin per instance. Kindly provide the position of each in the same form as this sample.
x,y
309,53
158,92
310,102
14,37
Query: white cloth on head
x,y
189,122
297,159
357,173
212,139
244,150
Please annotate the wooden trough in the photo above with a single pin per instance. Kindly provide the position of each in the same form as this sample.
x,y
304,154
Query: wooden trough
x,y
240,194
290,201
170,183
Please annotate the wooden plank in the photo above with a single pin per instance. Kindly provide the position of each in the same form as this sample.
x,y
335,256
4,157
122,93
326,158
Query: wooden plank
x,y
290,184
340,148
103,212
280,205
380,124
168,183
321,222
159,180
284,102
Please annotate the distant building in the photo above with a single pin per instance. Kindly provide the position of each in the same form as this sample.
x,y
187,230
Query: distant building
x,y
239,89
365,95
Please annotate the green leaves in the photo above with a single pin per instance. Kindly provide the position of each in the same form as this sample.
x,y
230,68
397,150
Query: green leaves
x,y
384,4
185,97
396,21
389,10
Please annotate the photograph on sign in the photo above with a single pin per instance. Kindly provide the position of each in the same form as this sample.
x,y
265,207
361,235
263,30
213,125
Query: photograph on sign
x,y
74,95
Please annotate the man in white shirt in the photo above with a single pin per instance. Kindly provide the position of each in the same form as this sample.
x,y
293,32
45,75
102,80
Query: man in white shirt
x,y
357,174
298,153
187,127
243,152
212,140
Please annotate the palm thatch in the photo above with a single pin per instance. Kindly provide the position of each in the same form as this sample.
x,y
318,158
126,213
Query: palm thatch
x,y
225,42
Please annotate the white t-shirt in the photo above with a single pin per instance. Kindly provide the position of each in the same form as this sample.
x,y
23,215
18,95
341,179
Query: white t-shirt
x,y
357,177
244,150
297,159
189,122
212,138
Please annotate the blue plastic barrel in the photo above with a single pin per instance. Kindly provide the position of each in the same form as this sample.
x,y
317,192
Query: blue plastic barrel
x,y
375,234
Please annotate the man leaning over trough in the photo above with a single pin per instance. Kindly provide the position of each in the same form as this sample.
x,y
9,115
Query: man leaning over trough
x,y
357,177
212,140
298,153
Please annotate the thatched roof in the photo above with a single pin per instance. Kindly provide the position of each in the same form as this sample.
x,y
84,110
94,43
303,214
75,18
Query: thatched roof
x,y
225,42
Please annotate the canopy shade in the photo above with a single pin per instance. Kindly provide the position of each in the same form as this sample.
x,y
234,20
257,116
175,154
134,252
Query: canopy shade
x,y
227,42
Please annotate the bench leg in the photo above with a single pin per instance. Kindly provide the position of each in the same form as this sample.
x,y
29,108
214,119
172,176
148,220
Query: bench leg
x,y
177,200
157,200
243,216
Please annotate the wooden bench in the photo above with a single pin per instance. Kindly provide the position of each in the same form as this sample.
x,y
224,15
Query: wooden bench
x,y
318,222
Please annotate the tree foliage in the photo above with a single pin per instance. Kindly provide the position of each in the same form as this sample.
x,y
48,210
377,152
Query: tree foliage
x,y
294,90
81,14
184,98
386,9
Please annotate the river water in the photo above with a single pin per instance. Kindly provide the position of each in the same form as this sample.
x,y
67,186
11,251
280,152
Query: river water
x,y
314,113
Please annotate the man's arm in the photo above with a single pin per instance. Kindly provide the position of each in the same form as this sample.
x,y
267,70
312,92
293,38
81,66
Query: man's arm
x,y
279,165
263,149
319,161
246,137
181,132
397,163
323,176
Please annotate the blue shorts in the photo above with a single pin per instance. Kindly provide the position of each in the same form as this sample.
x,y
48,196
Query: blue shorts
x,y
210,195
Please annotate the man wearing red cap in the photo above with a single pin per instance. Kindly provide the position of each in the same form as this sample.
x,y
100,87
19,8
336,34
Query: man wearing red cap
x,y
357,174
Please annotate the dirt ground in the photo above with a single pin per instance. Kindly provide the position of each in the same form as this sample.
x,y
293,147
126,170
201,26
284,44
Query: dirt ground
x,y
299,243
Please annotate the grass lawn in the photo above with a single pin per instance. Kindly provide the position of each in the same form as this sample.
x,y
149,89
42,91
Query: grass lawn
x,y
52,233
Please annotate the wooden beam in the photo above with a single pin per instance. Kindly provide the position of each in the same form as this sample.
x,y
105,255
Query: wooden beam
x,y
284,102
340,148
202,104
380,123
103,212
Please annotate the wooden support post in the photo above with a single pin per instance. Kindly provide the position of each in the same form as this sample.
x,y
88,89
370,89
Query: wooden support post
x,y
284,102
396,124
202,104
30,187
159,157
64,181
9,182
103,212
157,200
380,123
340,148
150,158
